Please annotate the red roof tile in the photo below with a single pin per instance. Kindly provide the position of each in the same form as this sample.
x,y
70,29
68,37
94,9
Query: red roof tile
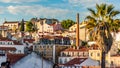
x,y
75,61
4,39
17,43
3,27
15,57
29,40
117,55
8,48
9,22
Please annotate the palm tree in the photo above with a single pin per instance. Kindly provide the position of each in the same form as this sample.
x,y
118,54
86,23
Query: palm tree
x,y
100,23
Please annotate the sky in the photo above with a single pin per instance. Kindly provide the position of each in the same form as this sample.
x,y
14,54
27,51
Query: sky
x,y
16,10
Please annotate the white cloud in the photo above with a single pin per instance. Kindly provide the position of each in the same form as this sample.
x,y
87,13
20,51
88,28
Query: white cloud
x,y
38,10
17,1
85,3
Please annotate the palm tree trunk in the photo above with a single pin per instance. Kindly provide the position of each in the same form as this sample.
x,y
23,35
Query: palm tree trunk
x,y
103,59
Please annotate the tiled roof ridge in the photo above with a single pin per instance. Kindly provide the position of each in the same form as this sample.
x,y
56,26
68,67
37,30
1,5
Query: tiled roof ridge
x,y
8,48
75,61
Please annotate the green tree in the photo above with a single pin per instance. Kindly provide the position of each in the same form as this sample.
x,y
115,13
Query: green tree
x,y
29,26
84,43
67,23
22,25
101,23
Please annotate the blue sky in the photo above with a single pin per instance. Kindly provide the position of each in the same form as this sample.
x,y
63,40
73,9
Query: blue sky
x,y
16,10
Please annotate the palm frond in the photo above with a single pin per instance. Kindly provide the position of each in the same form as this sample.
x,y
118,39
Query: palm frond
x,y
109,8
90,18
103,10
103,6
93,13
114,13
97,7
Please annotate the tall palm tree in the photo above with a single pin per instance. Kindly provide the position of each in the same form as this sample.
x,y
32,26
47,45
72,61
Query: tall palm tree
x,y
101,23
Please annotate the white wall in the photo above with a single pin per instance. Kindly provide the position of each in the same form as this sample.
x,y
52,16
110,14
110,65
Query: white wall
x,y
19,48
65,58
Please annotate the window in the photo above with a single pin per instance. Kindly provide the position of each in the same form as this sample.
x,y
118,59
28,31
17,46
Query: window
x,y
19,51
60,61
47,46
112,63
63,54
83,54
98,54
3,43
98,61
72,53
43,46
65,60
77,53
91,54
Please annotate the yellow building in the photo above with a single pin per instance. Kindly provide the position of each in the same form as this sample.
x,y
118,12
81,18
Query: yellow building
x,y
3,30
115,60
46,25
12,25
82,31
95,53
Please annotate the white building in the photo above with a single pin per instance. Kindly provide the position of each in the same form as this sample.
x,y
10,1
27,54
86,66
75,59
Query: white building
x,y
80,62
48,25
72,53
12,46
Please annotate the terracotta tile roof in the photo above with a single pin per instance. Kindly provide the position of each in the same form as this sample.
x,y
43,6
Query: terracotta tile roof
x,y
29,40
16,43
117,55
58,37
3,27
75,61
4,39
52,24
80,49
15,57
51,37
9,22
8,48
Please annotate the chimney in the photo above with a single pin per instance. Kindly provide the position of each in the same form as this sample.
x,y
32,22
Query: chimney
x,y
77,31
